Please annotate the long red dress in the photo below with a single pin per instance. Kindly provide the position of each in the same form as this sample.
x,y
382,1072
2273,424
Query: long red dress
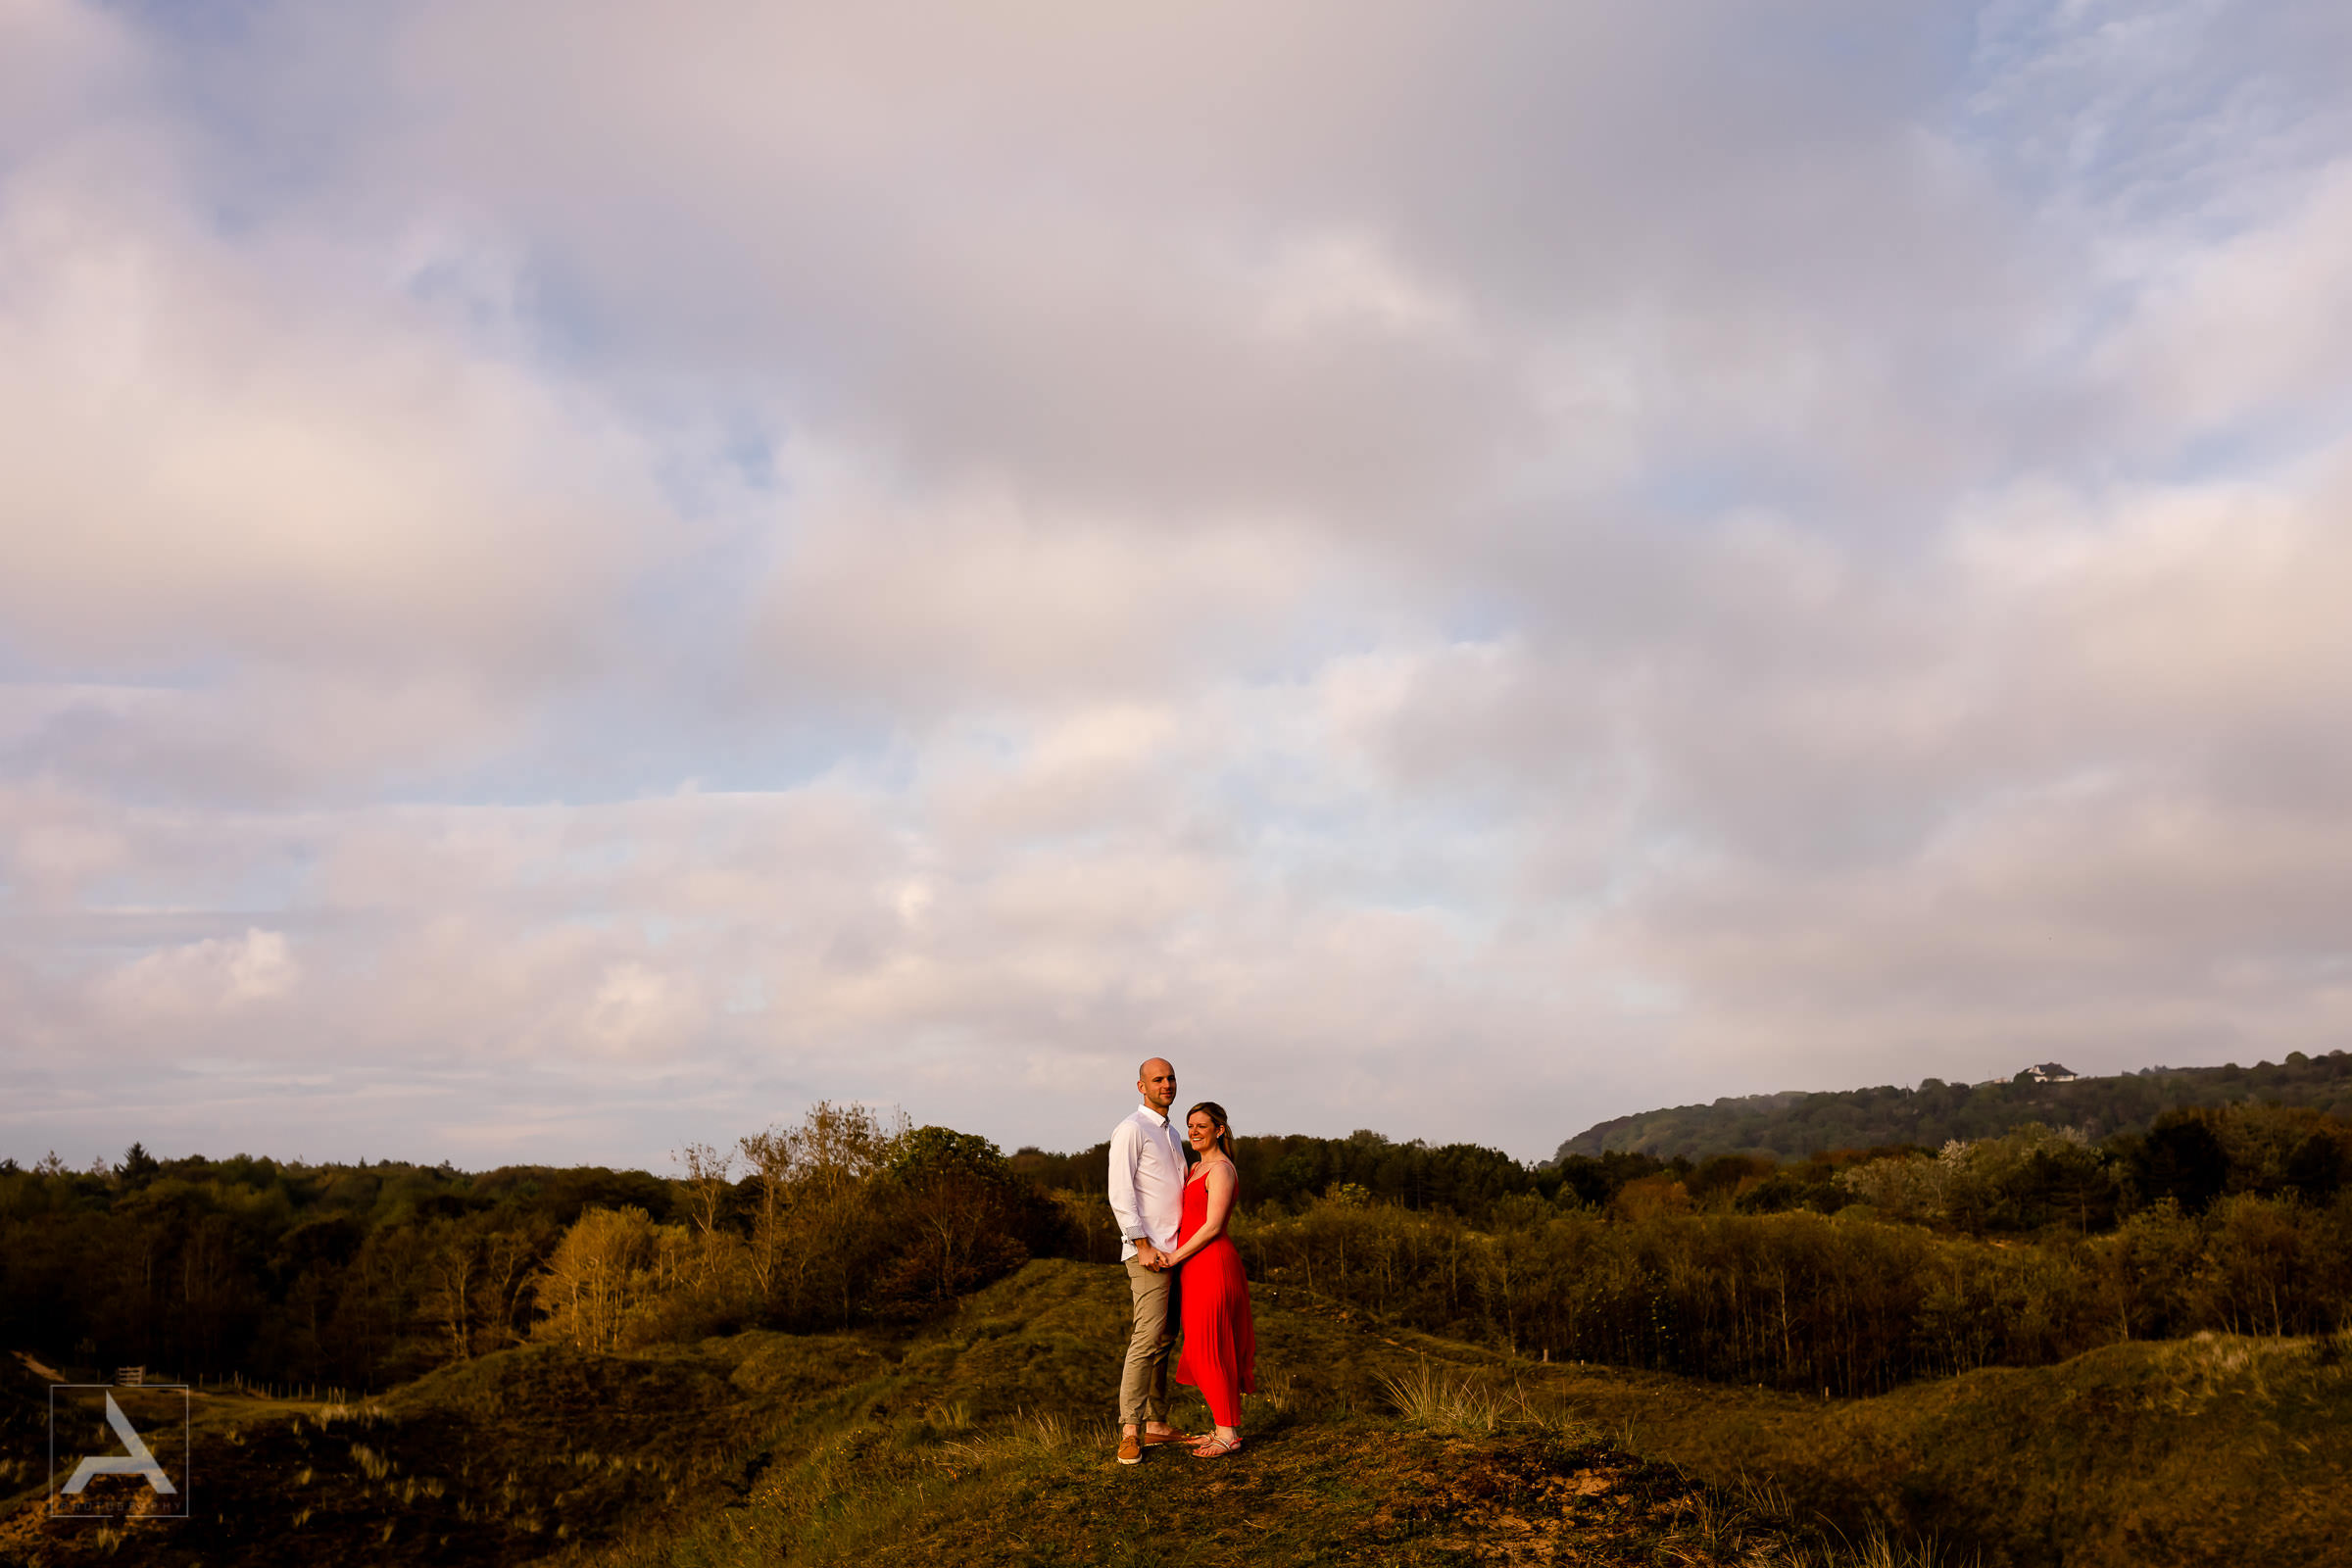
x,y
1220,1344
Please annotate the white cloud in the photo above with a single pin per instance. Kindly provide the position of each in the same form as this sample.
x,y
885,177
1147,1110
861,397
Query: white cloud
x,y
637,1006
972,596
1343,281
259,448
164,988
1457,572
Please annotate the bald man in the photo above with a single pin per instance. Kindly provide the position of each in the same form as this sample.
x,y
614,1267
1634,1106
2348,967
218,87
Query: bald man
x,y
1146,1193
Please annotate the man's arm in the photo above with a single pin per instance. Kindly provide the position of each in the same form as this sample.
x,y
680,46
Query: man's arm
x,y
1126,1148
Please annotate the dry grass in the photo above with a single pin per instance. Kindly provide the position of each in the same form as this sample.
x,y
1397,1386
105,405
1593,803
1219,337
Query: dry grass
x,y
1437,1402
1024,1433
1360,1450
1752,1522
1435,1398
986,1441
2210,1451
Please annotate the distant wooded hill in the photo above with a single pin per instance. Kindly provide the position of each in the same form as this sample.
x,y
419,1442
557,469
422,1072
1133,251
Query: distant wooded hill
x,y
1794,1124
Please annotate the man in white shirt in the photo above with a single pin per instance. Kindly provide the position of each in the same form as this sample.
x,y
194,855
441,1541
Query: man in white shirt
x,y
1146,1193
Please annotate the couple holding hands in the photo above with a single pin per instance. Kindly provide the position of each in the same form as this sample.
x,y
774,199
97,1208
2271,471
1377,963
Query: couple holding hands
x,y
1182,1269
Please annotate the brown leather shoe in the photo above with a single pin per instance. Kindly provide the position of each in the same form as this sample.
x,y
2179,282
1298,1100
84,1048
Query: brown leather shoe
x,y
1155,1439
1130,1450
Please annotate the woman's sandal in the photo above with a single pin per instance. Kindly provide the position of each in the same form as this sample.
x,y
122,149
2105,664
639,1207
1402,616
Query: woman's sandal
x,y
1214,1448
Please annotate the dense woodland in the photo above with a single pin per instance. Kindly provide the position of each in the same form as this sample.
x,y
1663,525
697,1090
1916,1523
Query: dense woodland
x,y
359,1276
1851,1270
1794,1125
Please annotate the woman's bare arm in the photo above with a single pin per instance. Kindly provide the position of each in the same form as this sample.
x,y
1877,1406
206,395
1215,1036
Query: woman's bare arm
x,y
1223,1185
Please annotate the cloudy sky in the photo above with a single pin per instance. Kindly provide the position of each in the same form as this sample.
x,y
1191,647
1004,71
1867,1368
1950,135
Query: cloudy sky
x,y
576,576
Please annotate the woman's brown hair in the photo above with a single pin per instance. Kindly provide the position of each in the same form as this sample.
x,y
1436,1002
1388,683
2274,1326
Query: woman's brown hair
x,y
1216,1116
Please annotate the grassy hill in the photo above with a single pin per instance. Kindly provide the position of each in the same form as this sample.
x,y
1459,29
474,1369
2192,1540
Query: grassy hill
x,y
982,1442
1793,1124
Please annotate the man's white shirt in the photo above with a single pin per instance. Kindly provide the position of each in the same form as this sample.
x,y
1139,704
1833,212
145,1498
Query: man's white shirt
x,y
1147,1180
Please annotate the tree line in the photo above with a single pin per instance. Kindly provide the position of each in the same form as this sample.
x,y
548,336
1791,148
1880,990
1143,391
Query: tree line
x,y
1857,1271
365,1275
1851,1270
1794,1125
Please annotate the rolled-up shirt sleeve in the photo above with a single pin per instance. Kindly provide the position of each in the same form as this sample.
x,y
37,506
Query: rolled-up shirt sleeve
x,y
1126,1146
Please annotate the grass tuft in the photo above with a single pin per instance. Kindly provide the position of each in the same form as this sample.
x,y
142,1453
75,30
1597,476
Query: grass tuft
x,y
1429,1398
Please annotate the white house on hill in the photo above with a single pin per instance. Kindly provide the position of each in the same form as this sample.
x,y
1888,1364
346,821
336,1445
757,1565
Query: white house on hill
x,y
2051,1072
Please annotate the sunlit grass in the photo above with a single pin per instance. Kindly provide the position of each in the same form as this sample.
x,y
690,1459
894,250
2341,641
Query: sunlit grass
x,y
1430,1398
987,1440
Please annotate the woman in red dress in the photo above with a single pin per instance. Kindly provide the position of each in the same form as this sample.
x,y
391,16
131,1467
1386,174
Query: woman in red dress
x,y
1220,1345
